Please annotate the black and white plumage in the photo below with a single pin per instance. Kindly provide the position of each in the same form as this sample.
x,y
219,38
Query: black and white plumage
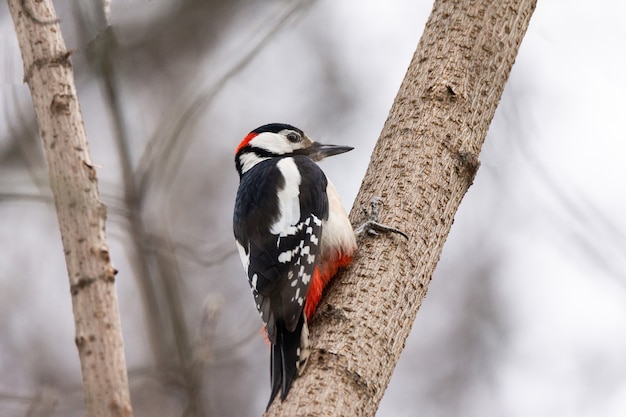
x,y
283,207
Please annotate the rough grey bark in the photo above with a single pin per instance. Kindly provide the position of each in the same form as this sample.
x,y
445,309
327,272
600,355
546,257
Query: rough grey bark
x,y
81,214
423,164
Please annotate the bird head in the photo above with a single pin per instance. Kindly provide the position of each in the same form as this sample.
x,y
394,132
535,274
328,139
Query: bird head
x,y
279,140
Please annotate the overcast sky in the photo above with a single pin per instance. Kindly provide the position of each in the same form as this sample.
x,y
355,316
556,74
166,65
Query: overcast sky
x,y
546,209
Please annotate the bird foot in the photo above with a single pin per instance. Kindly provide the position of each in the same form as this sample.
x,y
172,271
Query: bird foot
x,y
371,225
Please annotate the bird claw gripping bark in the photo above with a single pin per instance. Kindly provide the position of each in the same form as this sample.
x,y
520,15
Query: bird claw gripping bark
x,y
371,225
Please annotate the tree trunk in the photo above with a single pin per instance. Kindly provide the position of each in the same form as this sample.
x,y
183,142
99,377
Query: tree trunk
x,y
81,214
424,162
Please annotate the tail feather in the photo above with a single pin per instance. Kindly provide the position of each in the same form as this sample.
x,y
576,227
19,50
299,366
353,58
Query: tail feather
x,y
288,358
276,372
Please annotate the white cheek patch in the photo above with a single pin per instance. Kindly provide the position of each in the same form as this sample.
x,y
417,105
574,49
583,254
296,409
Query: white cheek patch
x,y
272,142
250,159
288,201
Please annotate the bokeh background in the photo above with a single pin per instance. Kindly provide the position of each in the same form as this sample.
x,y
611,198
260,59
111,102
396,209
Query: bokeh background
x,y
526,313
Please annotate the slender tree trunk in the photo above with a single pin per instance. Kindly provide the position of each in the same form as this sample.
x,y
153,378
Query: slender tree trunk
x,y
424,162
81,214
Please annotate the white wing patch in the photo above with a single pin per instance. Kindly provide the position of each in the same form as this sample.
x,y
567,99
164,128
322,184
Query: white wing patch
x,y
298,248
301,249
244,255
285,256
288,200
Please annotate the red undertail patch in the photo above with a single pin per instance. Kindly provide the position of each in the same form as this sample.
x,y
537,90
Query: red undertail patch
x,y
321,277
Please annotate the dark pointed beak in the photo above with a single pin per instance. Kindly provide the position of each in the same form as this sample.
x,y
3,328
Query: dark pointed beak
x,y
318,151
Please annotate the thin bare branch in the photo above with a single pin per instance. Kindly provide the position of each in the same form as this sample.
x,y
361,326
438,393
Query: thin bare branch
x,y
81,214
171,139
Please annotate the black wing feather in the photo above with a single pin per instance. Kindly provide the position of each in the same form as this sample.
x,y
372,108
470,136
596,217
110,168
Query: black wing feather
x,y
279,287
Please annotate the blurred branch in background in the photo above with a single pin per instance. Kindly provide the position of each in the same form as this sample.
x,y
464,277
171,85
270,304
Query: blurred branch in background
x,y
576,221
584,225
180,358
100,55
154,256
548,216
24,139
81,215
168,145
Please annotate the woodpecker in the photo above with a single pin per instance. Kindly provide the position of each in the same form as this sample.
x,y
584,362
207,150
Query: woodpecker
x,y
292,233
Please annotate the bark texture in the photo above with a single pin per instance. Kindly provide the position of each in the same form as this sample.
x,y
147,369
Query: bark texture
x,y
81,214
423,164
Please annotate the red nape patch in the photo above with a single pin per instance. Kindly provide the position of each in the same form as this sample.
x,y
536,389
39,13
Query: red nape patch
x,y
246,141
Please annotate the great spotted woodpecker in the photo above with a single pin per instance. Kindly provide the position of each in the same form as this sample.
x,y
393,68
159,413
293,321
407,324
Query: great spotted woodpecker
x,y
292,233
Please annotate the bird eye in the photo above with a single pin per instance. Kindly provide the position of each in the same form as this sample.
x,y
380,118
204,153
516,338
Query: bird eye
x,y
293,137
